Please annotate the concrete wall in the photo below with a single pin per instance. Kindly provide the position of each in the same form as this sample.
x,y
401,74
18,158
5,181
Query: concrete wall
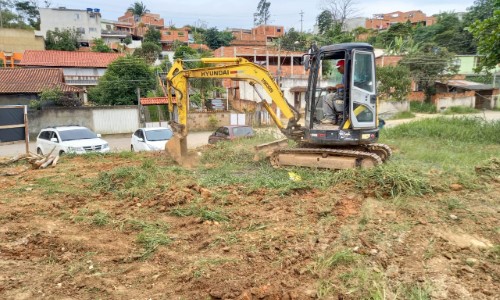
x,y
104,120
112,119
389,108
445,100
18,40
198,121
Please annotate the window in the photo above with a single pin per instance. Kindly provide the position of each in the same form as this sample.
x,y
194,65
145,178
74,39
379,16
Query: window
x,y
279,30
92,29
77,16
180,33
80,30
363,71
44,135
168,33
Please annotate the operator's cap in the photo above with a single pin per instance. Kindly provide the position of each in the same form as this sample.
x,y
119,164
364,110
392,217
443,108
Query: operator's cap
x,y
340,63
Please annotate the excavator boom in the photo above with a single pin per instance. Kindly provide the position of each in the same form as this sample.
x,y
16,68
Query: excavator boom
x,y
339,131
222,68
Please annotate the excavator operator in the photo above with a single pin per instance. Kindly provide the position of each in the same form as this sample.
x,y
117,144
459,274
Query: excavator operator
x,y
334,93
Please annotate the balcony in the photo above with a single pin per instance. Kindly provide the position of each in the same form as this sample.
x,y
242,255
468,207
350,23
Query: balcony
x,y
81,80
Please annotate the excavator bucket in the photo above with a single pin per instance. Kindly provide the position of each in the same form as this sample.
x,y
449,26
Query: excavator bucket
x,y
176,147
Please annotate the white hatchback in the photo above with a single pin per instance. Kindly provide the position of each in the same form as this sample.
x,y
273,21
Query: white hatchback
x,y
150,139
69,139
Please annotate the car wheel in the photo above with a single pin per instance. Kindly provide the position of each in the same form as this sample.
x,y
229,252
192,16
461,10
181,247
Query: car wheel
x,y
132,148
39,151
61,153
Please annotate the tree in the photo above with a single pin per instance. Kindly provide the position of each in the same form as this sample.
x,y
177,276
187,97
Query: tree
x,y
487,33
340,10
29,11
138,9
152,35
216,39
149,51
119,84
430,64
394,82
8,18
263,14
398,30
293,40
325,21
100,46
65,39
481,10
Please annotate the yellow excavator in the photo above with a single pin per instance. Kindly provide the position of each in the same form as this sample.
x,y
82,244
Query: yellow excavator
x,y
349,142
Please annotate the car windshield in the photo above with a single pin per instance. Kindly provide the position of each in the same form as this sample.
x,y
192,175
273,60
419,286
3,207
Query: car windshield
x,y
242,131
77,134
158,135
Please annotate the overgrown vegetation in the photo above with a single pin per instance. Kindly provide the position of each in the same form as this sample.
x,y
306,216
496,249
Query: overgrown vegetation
x,y
422,107
460,110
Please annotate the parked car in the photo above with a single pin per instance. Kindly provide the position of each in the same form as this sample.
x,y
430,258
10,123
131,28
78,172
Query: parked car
x,y
228,133
150,139
69,139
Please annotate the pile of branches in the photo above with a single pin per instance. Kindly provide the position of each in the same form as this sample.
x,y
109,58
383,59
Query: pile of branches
x,y
35,161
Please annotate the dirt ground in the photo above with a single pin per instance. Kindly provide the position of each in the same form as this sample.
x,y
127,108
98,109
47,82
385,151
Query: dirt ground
x,y
63,238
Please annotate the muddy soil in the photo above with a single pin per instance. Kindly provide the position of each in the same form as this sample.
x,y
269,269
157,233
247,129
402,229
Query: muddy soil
x,y
61,238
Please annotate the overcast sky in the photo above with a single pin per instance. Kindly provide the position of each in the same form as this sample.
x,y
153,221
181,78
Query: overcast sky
x,y
239,13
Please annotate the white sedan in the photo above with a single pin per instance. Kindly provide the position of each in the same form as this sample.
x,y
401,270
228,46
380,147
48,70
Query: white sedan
x,y
150,139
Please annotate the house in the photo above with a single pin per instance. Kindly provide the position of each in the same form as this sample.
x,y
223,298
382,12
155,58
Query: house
x,y
262,35
80,69
140,24
10,59
13,40
19,86
87,23
467,93
285,66
384,21
114,32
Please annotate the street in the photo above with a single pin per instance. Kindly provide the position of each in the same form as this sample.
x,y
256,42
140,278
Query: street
x,y
117,143
121,142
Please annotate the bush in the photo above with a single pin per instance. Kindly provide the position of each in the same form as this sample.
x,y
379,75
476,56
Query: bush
x,y
422,107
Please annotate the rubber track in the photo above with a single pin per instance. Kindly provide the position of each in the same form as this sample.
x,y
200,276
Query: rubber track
x,y
335,152
383,146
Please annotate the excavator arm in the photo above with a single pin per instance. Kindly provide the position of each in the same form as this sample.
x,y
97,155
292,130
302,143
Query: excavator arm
x,y
225,68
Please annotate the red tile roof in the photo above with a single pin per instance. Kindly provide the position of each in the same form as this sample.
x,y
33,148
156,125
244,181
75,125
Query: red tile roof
x,y
156,100
32,81
53,58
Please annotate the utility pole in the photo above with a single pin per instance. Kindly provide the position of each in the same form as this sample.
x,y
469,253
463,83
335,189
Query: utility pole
x,y
301,19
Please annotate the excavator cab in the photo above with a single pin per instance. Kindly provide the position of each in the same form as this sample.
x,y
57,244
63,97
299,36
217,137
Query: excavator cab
x,y
341,101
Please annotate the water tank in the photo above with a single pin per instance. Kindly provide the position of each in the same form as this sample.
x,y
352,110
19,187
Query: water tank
x,y
89,9
96,10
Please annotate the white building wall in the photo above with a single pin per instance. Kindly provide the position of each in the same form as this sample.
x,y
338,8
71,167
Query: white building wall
x,y
88,22
84,71
116,120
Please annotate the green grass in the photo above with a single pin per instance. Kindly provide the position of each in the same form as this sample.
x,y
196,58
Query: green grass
x,y
151,236
459,110
402,115
422,107
202,212
457,130
144,181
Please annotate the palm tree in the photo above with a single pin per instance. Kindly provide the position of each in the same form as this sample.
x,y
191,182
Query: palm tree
x,y
138,9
